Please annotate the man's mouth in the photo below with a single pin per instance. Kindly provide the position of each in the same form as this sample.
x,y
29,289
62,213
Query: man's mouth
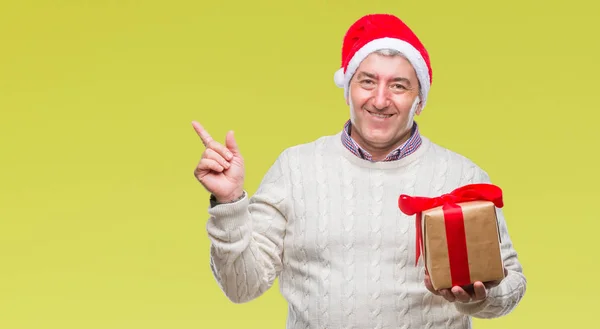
x,y
379,115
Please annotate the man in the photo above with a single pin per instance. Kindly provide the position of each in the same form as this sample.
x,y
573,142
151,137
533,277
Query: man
x,y
325,218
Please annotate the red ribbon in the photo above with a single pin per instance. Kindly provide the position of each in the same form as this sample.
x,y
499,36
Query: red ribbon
x,y
454,221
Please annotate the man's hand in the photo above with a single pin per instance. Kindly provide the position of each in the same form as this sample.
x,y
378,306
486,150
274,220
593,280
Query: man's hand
x,y
478,291
221,168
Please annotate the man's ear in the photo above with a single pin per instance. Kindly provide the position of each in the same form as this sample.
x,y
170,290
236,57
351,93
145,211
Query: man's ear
x,y
419,105
349,94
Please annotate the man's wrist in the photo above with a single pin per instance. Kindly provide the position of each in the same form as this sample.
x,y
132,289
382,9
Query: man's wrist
x,y
214,201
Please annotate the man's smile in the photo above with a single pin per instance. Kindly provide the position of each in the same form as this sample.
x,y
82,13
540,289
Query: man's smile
x,y
380,115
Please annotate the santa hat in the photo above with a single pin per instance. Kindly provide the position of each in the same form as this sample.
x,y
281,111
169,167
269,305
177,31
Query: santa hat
x,y
380,31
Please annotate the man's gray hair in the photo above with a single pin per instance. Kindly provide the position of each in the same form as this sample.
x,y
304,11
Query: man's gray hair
x,y
390,52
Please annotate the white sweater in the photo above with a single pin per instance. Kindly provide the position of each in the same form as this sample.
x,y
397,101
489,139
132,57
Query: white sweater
x,y
327,224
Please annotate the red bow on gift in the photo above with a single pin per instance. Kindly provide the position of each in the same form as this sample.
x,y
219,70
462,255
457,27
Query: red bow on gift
x,y
411,205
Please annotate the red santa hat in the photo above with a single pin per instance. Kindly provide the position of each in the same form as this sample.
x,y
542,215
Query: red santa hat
x,y
382,31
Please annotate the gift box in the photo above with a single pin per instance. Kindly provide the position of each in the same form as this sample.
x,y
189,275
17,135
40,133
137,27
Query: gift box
x,y
458,235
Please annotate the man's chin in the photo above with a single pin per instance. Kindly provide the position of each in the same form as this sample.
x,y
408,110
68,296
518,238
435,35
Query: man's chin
x,y
379,132
379,139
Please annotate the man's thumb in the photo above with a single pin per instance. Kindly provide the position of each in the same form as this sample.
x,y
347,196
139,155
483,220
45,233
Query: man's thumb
x,y
231,144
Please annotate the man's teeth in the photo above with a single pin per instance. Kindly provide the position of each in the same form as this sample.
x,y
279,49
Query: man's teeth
x,y
383,116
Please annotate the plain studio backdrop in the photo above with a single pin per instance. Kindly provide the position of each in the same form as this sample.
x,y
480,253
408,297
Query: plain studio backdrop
x,y
102,224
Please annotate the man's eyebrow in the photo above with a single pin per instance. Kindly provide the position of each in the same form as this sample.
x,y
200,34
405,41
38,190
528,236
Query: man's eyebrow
x,y
366,74
362,74
401,79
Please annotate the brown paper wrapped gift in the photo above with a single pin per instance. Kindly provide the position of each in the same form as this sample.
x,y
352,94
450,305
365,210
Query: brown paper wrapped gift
x,y
458,235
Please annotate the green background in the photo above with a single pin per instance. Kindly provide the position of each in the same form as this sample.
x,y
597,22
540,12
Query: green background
x,y
102,224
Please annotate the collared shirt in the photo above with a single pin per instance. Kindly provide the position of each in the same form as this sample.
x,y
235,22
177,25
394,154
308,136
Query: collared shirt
x,y
410,146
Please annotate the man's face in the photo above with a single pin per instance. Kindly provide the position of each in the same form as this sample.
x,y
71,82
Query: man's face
x,y
381,97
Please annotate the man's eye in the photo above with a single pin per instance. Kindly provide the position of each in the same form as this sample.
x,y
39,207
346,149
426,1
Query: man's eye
x,y
398,86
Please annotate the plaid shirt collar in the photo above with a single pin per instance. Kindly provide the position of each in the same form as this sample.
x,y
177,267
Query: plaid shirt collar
x,y
410,146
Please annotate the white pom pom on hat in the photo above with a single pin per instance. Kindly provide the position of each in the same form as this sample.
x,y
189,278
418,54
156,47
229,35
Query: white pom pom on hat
x,y
338,78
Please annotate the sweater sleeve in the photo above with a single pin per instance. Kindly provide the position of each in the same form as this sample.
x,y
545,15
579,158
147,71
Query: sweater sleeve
x,y
247,237
505,297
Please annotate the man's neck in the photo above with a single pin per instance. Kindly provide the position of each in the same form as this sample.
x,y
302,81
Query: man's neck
x,y
379,153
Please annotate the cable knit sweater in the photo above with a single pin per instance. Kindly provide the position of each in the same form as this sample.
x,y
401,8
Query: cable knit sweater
x,y
327,224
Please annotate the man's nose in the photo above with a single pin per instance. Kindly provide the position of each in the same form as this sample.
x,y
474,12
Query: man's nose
x,y
381,98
